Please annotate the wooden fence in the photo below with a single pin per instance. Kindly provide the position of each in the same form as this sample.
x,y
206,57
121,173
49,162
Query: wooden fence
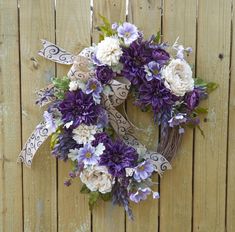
x,y
198,195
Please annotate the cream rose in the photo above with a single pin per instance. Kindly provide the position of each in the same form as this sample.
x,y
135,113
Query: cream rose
x,y
178,77
109,51
97,178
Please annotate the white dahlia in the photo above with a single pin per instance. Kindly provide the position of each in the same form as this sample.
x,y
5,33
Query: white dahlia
x,y
109,51
178,77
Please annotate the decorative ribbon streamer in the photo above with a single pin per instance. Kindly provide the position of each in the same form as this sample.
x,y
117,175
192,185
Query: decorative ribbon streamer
x,y
120,89
36,139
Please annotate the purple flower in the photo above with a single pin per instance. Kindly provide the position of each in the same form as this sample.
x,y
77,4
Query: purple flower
x,y
128,31
134,58
104,74
141,194
192,99
177,120
155,94
118,156
95,88
101,137
152,71
143,171
64,143
87,155
50,121
160,56
79,107
114,26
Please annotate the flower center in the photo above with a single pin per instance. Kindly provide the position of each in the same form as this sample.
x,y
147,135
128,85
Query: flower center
x,y
127,34
93,86
141,168
88,155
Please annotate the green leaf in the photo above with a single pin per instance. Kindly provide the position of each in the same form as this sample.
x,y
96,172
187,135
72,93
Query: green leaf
x,y
54,138
211,86
106,196
201,110
157,38
93,197
61,86
200,129
84,189
200,82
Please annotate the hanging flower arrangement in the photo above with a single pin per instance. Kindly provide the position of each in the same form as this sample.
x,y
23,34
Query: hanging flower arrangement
x,y
87,130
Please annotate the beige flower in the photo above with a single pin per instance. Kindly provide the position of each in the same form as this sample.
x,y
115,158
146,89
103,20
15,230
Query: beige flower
x,y
178,77
97,178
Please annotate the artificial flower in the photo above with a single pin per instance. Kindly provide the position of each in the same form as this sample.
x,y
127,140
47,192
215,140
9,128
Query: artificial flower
x,y
50,122
97,178
95,88
178,77
109,51
84,134
128,32
143,170
104,74
178,119
140,194
192,99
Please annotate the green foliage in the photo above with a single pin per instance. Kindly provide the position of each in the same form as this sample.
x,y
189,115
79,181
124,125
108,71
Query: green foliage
x,y
84,189
201,110
93,198
54,138
61,86
105,29
106,196
157,38
210,86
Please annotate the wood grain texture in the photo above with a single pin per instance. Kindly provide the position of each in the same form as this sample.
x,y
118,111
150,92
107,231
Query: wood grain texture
x,y
36,22
141,13
230,220
72,33
176,185
210,152
10,127
107,217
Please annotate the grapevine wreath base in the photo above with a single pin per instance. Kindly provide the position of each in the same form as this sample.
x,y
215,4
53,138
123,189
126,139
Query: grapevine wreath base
x,y
87,130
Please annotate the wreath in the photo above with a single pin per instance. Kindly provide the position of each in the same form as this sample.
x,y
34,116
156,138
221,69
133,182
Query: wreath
x,y
87,130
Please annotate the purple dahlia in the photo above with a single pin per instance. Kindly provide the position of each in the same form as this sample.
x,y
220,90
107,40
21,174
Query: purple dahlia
x,y
118,156
78,107
133,59
104,74
101,137
156,95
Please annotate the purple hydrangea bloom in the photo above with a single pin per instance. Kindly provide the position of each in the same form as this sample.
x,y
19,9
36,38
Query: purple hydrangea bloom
x,y
87,155
128,32
143,171
192,99
155,94
64,143
79,107
95,88
104,74
141,194
118,156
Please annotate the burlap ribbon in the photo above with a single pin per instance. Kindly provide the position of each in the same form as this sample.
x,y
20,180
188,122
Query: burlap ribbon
x,y
79,71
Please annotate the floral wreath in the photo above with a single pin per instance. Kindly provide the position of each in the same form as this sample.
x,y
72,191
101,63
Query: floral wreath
x,y
86,128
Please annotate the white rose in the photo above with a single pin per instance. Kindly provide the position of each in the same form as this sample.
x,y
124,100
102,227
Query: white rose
x,y
109,51
84,134
178,77
97,178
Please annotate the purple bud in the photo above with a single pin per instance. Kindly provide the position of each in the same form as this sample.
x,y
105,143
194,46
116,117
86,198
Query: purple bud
x,y
104,74
67,182
72,174
192,99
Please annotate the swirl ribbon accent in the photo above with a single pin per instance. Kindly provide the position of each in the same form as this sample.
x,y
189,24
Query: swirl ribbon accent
x,y
39,135
120,89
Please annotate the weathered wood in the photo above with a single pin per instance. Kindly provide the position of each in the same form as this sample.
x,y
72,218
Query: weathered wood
x,y
72,33
10,128
176,185
210,152
105,216
230,220
141,13
36,22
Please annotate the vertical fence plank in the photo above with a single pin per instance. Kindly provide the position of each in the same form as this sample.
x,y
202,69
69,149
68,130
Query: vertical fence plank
x,y
230,222
107,217
210,153
36,22
72,33
10,128
176,185
146,15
